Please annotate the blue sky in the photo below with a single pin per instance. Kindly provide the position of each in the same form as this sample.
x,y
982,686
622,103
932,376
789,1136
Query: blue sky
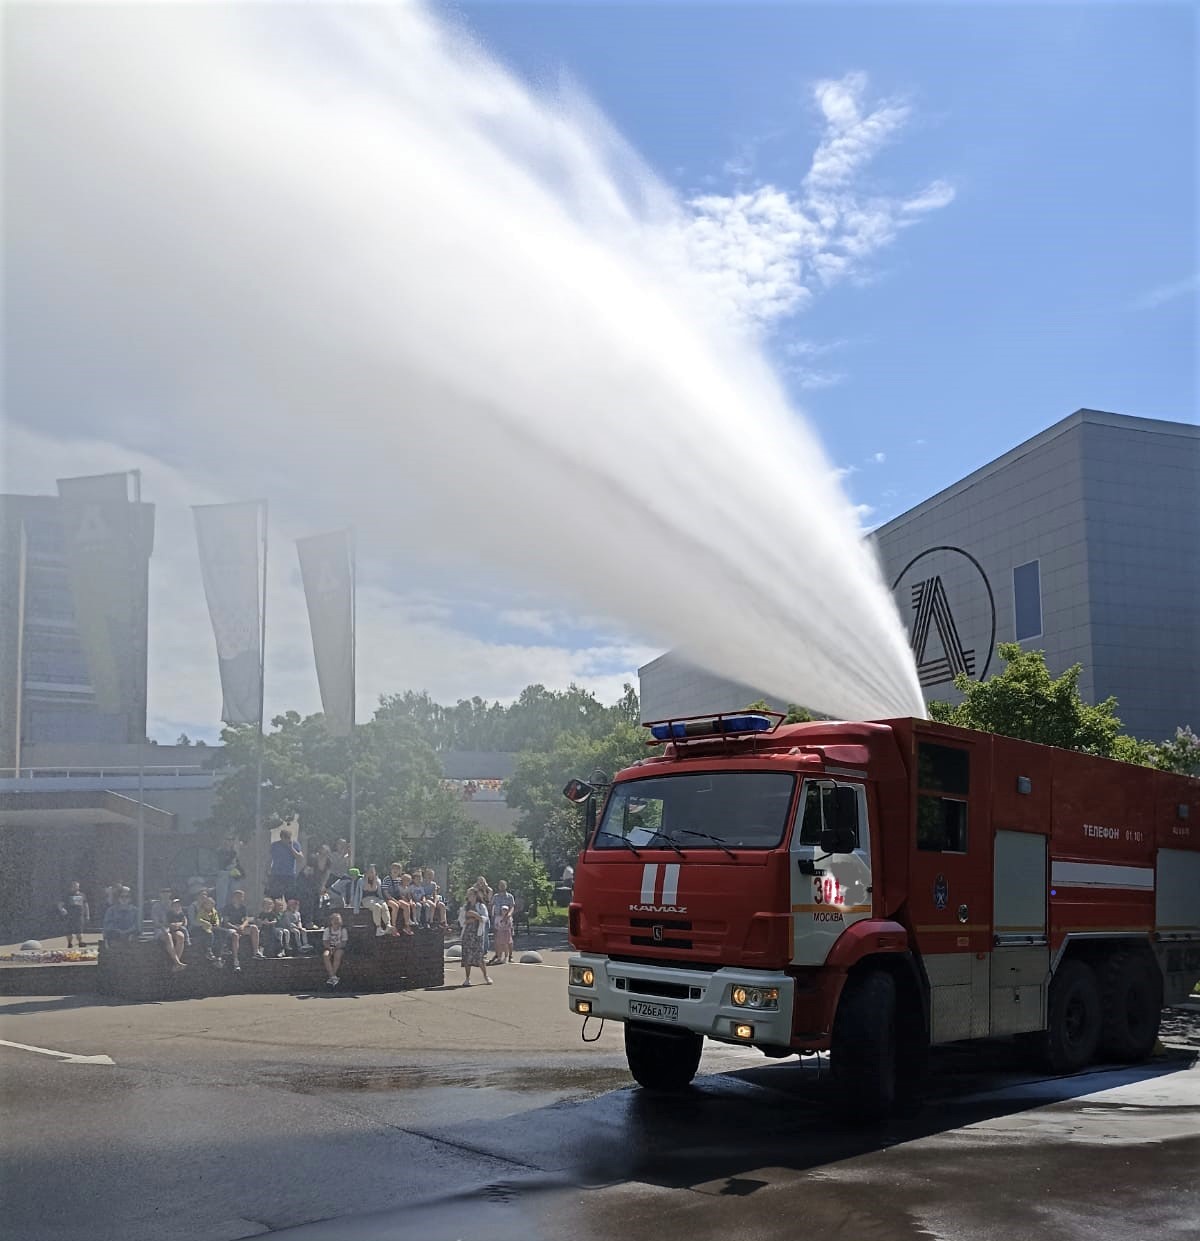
x,y
948,226
1062,275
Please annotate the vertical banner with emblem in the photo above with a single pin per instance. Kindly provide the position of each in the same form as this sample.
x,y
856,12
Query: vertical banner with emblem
x,y
327,570
228,537
106,544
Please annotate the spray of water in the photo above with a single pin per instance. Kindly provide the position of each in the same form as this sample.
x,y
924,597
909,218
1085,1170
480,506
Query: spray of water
x,y
344,258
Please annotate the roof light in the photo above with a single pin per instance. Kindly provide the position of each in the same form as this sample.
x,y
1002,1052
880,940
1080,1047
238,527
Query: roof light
x,y
712,726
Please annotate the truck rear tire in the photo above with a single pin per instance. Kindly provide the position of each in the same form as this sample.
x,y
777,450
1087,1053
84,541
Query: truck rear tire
x,y
664,1061
863,1046
1132,1006
1073,1023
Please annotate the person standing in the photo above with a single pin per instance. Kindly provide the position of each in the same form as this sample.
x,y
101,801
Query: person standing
x,y
474,936
229,869
504,905
75,906
309,888
287,857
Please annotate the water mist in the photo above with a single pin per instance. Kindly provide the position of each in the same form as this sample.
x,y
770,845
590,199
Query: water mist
x,y
343,258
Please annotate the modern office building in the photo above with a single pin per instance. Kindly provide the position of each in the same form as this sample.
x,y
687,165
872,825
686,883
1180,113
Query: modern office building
x,y
1084,542
74,575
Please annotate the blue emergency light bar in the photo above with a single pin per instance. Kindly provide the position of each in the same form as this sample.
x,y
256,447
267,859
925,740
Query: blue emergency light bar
x,y
714,726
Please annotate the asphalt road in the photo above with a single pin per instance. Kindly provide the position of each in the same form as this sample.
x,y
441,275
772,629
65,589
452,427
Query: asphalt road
x,y
478,1113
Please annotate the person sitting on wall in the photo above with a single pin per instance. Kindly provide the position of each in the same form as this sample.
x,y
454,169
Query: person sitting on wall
x,y
291,926
345,892
121,921
174,933
335,938
204,923
373,899
235,918
435,900
267,921
398,903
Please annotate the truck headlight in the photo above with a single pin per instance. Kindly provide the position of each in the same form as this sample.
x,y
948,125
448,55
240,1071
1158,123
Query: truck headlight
x,y
582,976
755,997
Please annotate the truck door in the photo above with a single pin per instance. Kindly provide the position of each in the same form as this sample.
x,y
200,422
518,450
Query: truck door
x,y
949,891
827,892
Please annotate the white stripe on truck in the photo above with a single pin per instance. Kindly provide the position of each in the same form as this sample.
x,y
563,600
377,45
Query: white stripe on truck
x,y
670,883
649,880
1102,875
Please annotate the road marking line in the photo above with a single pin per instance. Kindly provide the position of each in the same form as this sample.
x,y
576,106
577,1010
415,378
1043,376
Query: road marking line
x,y
67,1057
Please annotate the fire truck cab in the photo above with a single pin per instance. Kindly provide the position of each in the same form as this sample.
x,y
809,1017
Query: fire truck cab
x,y
872,889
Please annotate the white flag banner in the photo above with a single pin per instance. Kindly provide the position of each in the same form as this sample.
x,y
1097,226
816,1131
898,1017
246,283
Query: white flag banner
x,y
326,568
228,538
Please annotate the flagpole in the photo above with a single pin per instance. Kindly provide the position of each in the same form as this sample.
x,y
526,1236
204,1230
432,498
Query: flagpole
x,y
353,690
22,578
262,689
141,756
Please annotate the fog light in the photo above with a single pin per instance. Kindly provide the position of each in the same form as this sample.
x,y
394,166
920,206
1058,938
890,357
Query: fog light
x,y
582,976
583,1006
743,1031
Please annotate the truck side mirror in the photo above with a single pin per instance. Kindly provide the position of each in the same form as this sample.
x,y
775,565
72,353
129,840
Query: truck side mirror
x,y
577,791
842,836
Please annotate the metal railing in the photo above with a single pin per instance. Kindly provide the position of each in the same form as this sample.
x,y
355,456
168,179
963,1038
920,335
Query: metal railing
x,y
101,773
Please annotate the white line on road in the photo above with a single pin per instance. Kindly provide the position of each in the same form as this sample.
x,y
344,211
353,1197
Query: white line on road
x,y
67,1057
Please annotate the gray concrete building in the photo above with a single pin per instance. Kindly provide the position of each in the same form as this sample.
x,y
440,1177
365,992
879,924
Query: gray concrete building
x,y
1084,542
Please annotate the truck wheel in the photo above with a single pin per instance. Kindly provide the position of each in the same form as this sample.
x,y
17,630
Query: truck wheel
x,y
1132,1007
863,1047
664,1061
1073,1026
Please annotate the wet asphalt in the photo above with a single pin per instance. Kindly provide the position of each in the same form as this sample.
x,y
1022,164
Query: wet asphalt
x,y
460,1114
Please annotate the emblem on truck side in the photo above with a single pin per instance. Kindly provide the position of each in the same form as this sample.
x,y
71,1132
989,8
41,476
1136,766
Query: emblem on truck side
x,y
941,892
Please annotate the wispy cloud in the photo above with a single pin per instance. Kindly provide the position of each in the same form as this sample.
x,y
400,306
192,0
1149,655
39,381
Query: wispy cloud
x,y
877,458
768,252
1161,294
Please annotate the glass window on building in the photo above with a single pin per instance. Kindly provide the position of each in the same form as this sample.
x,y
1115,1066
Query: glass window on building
x,y
1027,600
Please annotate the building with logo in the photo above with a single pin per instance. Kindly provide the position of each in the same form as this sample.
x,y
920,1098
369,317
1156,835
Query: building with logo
x,y
1084,542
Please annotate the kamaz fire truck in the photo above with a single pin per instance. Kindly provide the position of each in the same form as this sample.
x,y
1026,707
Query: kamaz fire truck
x,y
872,889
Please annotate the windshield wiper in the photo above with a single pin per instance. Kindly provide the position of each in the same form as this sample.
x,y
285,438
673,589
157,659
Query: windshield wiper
x,y
624,840
687,831
658,832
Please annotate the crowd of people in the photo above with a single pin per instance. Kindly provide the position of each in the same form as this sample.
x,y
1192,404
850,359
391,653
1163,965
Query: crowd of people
x,y
305,893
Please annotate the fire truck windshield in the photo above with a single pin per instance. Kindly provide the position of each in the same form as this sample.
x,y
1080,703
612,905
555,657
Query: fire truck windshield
x,y
706,810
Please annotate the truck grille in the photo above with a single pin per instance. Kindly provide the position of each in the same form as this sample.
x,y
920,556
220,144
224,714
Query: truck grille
x,y
670,935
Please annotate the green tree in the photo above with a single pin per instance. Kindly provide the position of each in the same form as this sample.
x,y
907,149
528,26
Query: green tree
x,y
796,714
1024,701
552,824
1181,754
306,773
496,856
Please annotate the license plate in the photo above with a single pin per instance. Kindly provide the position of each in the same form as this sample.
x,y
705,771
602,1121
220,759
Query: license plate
x,y
654,1012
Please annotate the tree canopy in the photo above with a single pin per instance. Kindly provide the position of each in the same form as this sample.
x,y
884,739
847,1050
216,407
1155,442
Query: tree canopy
x,y
1023,700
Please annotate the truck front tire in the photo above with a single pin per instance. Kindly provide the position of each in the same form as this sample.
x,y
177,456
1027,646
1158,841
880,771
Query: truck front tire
x,y
1073,1024
664,1061
1132,1001
863,1046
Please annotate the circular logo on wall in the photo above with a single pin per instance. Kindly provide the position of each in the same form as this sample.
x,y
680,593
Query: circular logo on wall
x,y
952,614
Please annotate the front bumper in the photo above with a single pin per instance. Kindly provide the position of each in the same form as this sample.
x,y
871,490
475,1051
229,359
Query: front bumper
x,y
701,998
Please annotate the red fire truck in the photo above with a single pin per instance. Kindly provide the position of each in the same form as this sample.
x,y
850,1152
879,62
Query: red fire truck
x,y
872,889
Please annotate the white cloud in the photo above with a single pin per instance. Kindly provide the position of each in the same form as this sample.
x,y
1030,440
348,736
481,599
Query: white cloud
x,y
1158,296
767,252
810,380
878,458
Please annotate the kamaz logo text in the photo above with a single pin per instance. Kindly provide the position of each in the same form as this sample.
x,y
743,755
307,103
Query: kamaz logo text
x,y
656,898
